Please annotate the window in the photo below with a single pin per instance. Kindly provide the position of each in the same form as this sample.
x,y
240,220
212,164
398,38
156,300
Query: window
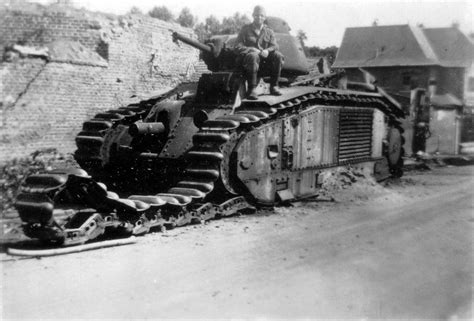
x,y
406,79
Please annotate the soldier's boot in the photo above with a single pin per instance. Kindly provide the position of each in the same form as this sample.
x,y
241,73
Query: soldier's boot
x,y
275,91
252,86
252,93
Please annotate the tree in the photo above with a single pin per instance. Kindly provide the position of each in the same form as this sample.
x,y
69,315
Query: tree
x,y
135,10
329,52
200,30
212,25
301,36
162,13
233,24
186,19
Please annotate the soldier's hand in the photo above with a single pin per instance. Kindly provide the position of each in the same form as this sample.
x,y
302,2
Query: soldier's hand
x,y
264,53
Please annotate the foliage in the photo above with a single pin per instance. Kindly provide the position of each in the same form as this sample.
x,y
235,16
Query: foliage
x,y
329,52
301,36
201,32
162,13
315,51
211,26
186,19
231,25
228,25
135,10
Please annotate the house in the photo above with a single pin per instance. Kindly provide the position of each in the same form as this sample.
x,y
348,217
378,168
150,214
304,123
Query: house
x,y
403,58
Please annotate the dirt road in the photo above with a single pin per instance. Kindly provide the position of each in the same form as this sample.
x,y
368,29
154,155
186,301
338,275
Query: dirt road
x,y
399,251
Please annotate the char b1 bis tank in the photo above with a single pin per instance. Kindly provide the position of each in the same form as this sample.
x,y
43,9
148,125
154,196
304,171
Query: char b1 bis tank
x,y
203,151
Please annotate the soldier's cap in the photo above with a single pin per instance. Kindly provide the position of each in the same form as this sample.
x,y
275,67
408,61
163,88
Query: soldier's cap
x,y
259,10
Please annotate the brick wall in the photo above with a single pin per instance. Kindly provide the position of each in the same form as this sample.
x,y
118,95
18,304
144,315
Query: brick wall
x,y
45,101
38,25
399,80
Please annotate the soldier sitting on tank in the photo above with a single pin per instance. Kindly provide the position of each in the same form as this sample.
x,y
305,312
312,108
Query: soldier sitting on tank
x,y
258,53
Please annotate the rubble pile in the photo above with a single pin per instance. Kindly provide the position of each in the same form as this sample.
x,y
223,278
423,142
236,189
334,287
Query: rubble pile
x,y
349,184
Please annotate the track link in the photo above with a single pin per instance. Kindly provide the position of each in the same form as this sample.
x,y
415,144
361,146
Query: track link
x,y
70,208
90,141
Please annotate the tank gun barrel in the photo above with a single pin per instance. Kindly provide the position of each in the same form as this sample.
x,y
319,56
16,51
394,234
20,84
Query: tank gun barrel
x,y
193,43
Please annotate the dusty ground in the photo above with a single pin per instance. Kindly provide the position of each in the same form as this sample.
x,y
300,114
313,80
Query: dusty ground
x,y
403,250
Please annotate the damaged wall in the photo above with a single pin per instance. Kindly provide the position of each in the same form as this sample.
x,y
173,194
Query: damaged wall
x,y
95,62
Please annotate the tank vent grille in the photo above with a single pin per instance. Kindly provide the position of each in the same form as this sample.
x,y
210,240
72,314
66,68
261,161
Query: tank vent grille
x,y
355,134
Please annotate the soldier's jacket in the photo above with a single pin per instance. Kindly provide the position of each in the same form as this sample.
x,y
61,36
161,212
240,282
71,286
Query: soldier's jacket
x,y
247,39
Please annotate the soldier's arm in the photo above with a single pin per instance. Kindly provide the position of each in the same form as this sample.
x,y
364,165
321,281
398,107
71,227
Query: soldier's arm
x,y
240,47
272,44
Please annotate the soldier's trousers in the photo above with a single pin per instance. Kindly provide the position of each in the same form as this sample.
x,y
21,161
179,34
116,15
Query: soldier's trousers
x,y
255,65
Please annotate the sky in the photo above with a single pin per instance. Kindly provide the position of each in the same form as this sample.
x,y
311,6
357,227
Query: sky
x,y
323,21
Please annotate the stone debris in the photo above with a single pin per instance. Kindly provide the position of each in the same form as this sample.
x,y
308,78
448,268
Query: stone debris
x,y
26,51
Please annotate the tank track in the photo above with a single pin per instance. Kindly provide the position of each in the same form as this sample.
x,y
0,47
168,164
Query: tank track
x,y
90,141
70,208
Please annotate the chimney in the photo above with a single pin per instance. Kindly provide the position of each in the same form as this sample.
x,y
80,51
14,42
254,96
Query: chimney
x,y
432,87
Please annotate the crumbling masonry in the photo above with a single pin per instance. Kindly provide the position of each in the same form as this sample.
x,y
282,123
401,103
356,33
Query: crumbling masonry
x,y
60,66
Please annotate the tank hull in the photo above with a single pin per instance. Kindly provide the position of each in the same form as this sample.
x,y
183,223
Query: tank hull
x,y
211,158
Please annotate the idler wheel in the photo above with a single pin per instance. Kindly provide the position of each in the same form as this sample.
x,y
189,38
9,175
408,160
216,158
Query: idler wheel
x,y
200,118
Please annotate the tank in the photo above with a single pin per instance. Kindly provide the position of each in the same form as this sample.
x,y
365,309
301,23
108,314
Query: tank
x,y
202,151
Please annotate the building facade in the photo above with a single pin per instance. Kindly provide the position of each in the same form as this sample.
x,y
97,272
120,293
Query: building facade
x,y
404,58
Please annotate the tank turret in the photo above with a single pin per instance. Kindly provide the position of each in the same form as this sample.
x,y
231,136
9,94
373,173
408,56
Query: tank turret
x,y
215,53
218,51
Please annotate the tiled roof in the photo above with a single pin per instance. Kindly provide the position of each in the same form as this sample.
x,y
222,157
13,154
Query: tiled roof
x,y
403,45
451,46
